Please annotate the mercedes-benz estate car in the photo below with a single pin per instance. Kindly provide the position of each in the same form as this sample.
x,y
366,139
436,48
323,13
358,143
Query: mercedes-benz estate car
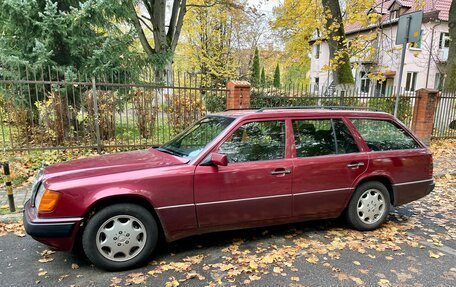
x,y
231,170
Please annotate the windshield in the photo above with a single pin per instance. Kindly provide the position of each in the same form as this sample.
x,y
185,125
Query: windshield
x,y
192,142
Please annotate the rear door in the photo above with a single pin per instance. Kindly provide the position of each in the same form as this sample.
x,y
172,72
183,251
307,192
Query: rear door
x,y
327,160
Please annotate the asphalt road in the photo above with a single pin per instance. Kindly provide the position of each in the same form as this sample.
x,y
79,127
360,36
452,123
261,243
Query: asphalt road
x,y
416,247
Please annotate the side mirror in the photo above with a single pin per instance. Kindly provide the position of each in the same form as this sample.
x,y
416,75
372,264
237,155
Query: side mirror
x,y
219,159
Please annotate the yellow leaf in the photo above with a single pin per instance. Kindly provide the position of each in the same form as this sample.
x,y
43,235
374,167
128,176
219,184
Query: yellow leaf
x,y
277,270
356,263
433,255
357,280
253,266
384,282
295,279
42,273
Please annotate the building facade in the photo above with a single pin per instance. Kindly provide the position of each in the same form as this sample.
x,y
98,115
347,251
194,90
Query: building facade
x,y
425,60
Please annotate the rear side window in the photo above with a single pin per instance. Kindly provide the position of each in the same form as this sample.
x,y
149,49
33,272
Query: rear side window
x,y
383,135
322,137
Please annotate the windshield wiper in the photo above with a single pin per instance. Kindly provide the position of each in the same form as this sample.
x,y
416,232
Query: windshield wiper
x,y
170,151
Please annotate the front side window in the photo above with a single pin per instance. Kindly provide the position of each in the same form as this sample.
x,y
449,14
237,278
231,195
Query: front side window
x,y
256,141
381,135
193,141
322,137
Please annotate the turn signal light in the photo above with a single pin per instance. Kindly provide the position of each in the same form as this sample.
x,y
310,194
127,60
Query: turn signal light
x,y
48,201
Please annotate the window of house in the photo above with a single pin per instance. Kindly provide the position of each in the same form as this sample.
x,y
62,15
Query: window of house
x,y
317,51
365,82
316,84
322,137
439,81
394,14
256,141
381,135
410,83
444,42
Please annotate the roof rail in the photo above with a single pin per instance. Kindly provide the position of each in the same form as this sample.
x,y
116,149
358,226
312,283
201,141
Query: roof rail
x,y
319,107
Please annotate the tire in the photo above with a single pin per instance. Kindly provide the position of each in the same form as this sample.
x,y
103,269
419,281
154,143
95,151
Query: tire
x,y
120,236
369,206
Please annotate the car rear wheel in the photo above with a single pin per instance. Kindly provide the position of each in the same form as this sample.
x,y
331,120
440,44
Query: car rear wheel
x,y
369,206
120,236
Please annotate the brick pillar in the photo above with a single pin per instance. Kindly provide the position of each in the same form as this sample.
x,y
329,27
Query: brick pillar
x,y
238,95
424,113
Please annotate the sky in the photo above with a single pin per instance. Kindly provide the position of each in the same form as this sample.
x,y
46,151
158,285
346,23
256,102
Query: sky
x,y
265,6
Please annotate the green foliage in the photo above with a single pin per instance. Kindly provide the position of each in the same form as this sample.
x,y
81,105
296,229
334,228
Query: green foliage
x,y
276,82
255,73
90,36
215,102
263,78
404,112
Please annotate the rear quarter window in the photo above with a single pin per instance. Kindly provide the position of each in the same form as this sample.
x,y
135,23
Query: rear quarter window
x,y
382,135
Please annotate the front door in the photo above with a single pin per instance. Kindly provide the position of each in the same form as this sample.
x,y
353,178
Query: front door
x,y
256,183
327,162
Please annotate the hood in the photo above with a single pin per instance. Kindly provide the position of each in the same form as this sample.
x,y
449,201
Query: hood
x,y
110,164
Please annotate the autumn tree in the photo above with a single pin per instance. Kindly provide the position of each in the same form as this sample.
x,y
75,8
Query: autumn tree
x,y
165,30
207,40
450,82
255,72
276,82
336,41
302,21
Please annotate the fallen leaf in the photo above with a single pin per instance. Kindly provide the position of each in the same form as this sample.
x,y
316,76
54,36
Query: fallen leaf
x,y
74,266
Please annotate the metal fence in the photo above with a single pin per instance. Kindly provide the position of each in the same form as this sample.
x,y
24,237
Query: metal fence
x,y
445,117
301,96
45,109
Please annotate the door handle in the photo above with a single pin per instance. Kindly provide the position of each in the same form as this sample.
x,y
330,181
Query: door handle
x,y
355,165
281,171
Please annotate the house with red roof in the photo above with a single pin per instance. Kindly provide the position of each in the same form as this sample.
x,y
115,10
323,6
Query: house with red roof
x,y
425,60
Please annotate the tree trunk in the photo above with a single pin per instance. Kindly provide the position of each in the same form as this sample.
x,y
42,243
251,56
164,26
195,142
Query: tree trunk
x,y
450,81
336,36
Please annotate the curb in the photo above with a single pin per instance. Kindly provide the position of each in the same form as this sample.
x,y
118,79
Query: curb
x,y
12,217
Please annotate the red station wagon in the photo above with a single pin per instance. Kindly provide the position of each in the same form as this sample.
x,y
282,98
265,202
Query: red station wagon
x,y
231,170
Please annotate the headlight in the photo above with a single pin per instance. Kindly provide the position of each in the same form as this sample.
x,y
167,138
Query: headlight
x,y
45,199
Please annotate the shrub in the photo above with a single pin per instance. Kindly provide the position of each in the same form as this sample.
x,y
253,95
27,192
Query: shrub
x,y
183,110
146,109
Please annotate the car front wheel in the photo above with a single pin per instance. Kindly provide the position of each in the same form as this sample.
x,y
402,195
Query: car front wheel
x,y
120,237
369,206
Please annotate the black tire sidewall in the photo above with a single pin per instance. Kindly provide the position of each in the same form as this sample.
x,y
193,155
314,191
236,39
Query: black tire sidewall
x,y
352,213
90,233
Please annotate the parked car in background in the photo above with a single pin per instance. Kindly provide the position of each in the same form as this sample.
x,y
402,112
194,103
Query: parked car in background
x,y
231,170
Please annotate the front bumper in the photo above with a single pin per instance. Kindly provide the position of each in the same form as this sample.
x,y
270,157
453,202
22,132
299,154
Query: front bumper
x,y
59,233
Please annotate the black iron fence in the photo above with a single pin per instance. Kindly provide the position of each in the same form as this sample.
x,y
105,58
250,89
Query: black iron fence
x,y
445,117
46,109
300,96
43,110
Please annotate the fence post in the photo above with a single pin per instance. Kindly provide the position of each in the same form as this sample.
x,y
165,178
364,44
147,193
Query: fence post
x,y
238,95
97,117
424,113
9,187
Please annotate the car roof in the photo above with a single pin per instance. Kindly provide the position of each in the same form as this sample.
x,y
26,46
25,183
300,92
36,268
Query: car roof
x,y
301,112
